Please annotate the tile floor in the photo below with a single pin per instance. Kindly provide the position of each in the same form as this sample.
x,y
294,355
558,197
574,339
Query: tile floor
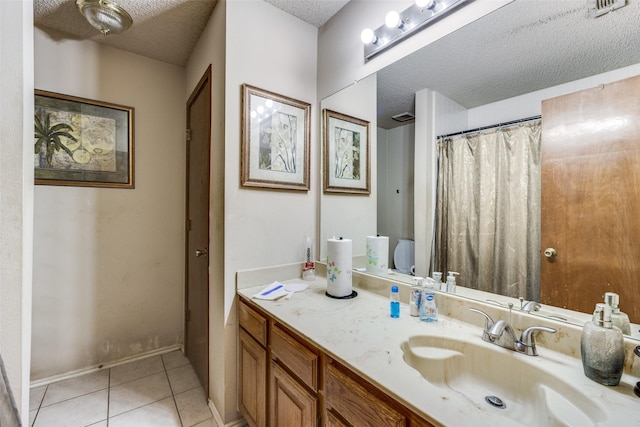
x,y
156,392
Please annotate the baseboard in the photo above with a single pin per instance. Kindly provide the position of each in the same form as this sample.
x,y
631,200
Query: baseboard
x,y
95,368
218,419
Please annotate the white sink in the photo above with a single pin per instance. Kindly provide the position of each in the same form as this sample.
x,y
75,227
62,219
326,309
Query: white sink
x,y
477,370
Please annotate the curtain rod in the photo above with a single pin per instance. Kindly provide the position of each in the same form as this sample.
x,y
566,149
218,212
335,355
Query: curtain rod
x,y
512,122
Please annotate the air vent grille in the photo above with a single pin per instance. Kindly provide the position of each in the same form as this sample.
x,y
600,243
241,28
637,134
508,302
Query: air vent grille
x,y
403,117
600,7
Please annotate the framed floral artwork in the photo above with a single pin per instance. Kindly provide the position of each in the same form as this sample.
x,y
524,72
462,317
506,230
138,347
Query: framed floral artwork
x,y
275,140
82,142
346,154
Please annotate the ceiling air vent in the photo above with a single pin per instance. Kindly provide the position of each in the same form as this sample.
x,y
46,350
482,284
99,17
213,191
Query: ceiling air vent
x,y
403,117
600,7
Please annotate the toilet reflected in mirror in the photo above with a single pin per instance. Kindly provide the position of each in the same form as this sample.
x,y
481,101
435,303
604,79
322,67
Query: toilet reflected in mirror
x,y
404,256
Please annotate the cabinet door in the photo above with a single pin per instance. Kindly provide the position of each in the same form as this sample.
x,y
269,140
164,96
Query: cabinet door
x,y
332,420
291,404
253,381
356,404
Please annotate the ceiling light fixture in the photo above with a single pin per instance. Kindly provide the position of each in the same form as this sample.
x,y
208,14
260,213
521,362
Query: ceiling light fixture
x,y
399,26
105,16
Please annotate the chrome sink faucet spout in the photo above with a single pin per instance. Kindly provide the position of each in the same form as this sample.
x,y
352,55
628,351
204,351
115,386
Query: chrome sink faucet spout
x,y
502,334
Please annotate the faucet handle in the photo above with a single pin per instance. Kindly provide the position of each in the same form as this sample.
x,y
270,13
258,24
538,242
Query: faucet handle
x,y
488,323
528,340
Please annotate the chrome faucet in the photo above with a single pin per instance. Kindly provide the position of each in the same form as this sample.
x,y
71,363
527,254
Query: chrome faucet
x,y
529,306
502,334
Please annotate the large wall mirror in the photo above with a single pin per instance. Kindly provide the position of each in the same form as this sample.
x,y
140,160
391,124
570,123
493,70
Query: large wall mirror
x,y
497,69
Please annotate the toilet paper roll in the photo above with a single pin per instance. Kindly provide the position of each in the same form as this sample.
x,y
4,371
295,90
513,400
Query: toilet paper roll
x,y
339,265
377,254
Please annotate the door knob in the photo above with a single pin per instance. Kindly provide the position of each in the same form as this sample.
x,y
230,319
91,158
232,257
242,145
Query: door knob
x,y
550,252
201,252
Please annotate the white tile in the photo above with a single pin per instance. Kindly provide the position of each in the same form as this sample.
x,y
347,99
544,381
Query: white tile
x,y
159,414
79,411
100,424
134,370
32,416
35,397
208,423
192,406
74,387
183,379
174,359
135,394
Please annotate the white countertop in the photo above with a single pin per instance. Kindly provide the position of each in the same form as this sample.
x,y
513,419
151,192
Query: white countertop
x,y
360,334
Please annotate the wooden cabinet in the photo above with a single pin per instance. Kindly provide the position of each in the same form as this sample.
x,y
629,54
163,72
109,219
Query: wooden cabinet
x,y
252,360
285,381
355,404
291,404
294,380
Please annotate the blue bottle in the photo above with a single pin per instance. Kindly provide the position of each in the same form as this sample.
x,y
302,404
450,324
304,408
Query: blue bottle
x,y
395,302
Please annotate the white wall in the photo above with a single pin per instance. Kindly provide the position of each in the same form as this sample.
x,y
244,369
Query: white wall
x,y
344,215
395,184
272,50
16,194
109,263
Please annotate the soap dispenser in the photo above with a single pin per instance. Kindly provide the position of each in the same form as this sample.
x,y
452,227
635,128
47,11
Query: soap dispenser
x,y
618,318
602,348
428,306
451,282
415,297
437,278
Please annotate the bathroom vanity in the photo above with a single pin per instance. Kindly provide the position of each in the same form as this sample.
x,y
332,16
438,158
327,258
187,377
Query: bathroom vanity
x,y
313,360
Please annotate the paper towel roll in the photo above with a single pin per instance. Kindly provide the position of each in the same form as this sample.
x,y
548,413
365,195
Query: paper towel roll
x,y
377,254
339,264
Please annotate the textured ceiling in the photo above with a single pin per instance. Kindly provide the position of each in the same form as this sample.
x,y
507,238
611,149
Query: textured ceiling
x,y
166,30
314,12
525,46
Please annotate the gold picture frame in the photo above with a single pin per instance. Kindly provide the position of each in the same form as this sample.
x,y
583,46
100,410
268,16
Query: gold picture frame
x,y
275,139
82,142
347,159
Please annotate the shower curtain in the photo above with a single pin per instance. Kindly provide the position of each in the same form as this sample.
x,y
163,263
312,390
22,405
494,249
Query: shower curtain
x,y
488,209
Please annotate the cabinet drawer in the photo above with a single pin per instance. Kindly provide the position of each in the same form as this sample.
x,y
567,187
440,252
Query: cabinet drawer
x,y
299,359
356,404
253,322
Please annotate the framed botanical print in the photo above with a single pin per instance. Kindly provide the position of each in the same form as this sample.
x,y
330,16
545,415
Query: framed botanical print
x,y
275,140
346,154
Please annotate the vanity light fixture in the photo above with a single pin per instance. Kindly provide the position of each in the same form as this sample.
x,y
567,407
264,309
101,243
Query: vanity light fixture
x,y
399,26
105,16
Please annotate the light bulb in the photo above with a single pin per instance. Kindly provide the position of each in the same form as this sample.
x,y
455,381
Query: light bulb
x,y
367,36
425,3
269,103
392,19
260,109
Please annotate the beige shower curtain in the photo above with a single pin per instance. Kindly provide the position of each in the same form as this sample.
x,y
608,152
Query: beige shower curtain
x,y
488,209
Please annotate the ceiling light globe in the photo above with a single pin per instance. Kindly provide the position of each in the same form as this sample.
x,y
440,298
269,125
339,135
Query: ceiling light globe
x,y
367,36
392,19
425,3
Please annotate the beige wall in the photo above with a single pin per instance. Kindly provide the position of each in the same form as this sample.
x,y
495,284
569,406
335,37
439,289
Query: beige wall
x,y
109,263
16,194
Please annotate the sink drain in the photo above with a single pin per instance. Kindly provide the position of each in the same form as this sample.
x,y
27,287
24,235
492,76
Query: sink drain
x,y
495,401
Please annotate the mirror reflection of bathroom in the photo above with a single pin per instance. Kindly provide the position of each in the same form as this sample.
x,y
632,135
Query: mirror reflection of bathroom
x,y
395,191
